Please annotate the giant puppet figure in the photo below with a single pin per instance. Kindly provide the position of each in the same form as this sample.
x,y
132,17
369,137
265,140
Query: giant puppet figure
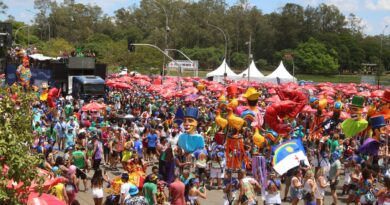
x,y
190,141
356,124
378,126
23,72
330,124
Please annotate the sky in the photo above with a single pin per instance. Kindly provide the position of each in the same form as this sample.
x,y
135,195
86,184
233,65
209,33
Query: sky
x,y
375,14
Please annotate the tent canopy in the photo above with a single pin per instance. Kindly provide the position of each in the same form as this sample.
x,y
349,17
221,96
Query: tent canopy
x,y
221,70
253,71
281,73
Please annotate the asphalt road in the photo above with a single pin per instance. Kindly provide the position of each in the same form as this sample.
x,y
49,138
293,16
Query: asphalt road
x,y
213,196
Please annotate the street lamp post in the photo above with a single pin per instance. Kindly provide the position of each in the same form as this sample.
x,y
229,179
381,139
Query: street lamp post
x,y
380,55
167,29
182,53
226,43
16,32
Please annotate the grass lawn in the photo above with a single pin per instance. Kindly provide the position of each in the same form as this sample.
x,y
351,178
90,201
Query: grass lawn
x,y
385,79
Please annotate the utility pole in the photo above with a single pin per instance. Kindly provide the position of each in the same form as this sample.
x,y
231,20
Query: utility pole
x,y
249,56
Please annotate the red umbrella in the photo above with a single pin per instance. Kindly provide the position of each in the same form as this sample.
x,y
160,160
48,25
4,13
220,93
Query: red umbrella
x,y
272,91
44,199
121,85
364,94
377,93
93,106
273,99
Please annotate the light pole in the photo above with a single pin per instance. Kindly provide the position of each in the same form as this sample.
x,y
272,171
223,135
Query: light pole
x,y
17,30
165,54
380,55
167,29
182,53
226,43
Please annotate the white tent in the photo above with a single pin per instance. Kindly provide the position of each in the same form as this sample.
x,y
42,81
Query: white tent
x,y
254,73
281,73
218,74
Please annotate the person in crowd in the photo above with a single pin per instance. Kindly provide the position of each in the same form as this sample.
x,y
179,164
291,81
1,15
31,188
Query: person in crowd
x,y
334,173
149,190
273,190
177,192
193,191
125,188
322,184
79,159
309,187
296,187
135,197
97,187
247,187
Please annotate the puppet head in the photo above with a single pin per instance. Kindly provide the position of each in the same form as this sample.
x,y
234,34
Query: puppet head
x,y
337,108
378,126
252,96
232,91
191,120
356,107
25,61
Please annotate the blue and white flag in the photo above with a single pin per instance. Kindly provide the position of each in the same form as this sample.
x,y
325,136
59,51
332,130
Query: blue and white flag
x,y
288,155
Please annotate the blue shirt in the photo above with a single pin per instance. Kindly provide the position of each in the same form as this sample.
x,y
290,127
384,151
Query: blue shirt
x,y
152,140
138,147
190,143
69,139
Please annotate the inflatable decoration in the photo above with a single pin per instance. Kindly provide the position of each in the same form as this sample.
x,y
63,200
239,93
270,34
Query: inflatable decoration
x,y
385,110
378,126
258,139
299,133
319,105
190,141
234,146
222,102
356,124
44,92
292,103
232,92
52,96
23,72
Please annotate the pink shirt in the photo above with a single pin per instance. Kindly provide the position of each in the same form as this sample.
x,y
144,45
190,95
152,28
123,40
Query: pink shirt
x,y
177,192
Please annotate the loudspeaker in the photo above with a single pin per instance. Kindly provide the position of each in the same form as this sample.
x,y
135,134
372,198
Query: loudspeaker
x,y
5,34
100,70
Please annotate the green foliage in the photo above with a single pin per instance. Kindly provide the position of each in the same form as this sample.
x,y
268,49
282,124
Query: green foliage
x,y
239,60
314,57
15,138
88,27
56,46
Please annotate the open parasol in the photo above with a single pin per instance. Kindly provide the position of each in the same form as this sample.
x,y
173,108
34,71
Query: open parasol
x,y
93,106
44,199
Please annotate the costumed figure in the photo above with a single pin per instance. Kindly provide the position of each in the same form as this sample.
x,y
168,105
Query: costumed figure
x,y
356,124
44,92
234,146
292,103
385,108
378,126
219,137
190,141
52,96
252,114
316,126
23,72
330,124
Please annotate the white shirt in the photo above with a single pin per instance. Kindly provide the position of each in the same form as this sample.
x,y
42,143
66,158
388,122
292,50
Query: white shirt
x,y
125,190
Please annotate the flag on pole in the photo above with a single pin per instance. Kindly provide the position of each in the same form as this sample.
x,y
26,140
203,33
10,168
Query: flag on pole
x,y
288,155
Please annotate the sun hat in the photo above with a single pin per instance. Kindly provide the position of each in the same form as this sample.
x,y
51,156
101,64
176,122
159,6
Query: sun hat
x,y
133,190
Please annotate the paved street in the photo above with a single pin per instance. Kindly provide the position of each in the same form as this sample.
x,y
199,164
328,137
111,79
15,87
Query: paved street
x,y
213,196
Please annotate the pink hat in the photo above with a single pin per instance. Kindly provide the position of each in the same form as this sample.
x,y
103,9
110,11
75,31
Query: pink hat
x,y
72,169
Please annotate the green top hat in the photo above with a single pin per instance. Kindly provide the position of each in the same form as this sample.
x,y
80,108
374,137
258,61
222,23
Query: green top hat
x,y
357,101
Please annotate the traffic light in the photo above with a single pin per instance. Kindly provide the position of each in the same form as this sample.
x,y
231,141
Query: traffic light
x,y
130,46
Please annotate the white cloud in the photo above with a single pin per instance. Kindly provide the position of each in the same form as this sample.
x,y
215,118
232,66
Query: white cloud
x,y
346,6
378,4
386,21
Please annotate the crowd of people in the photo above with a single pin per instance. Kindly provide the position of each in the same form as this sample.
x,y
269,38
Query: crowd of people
x,y
175,150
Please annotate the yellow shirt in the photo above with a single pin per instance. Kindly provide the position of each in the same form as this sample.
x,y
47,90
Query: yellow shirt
x,y
58,191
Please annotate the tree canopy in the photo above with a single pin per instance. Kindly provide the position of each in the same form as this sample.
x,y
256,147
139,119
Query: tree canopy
x,y
290,27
